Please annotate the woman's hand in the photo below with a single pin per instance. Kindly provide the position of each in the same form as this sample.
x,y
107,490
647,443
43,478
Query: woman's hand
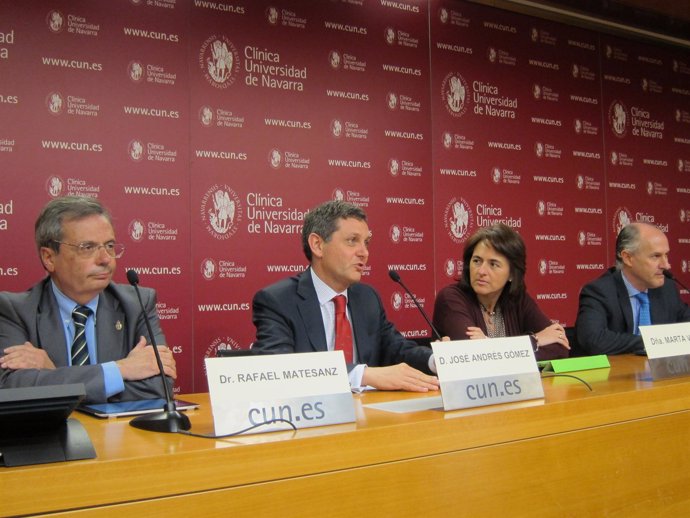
x,y
554,334
475,333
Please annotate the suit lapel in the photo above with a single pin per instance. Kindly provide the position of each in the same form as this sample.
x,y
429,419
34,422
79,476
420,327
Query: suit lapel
x,y
310,311
49,328
110,328
624,302
358,314
657,306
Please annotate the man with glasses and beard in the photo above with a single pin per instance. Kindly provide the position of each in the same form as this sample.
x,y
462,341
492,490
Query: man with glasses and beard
x,y
77,325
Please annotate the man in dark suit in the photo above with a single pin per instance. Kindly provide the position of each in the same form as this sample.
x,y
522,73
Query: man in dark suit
x,y
76,325
609,315
299,314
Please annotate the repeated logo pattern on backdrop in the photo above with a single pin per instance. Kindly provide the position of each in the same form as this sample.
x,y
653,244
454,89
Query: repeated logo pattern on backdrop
x,y
211,127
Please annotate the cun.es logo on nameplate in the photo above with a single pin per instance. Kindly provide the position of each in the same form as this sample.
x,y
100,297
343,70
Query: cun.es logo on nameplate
x,y
307,389
486,372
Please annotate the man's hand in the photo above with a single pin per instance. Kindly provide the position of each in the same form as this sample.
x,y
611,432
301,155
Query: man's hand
x,y
25,356
140,363
399,377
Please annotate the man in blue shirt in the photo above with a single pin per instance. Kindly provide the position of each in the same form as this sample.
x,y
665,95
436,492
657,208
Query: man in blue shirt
x,y
632,293
76,325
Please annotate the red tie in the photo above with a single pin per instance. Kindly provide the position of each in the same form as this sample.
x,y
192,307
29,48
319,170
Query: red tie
x,y
343,331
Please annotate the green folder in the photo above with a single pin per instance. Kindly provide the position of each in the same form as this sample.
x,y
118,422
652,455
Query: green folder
x,y
582,363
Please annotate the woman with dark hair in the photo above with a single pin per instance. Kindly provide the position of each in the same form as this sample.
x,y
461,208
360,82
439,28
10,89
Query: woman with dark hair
x,y
490,300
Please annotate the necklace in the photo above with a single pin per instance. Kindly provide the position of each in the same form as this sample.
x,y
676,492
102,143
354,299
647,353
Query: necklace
x,y
495,326
488,315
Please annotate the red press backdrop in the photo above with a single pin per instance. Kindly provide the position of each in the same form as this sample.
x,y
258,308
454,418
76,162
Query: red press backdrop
x,y
211,127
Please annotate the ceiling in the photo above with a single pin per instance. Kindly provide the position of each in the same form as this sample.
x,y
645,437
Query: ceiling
x,y
664,16
670,8
666,21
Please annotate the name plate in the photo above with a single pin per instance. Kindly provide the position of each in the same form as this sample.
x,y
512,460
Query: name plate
x,y
307,389
476,373
668,349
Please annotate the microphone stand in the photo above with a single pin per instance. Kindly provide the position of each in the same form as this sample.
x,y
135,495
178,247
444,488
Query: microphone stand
x,y
395,277
169,420
669,275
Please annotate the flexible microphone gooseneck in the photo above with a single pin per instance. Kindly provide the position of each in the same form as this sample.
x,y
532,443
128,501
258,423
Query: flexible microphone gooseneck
x,y
395,277
169,419
669,275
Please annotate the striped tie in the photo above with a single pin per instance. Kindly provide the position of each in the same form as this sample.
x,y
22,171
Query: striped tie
x,y
644,318
80,352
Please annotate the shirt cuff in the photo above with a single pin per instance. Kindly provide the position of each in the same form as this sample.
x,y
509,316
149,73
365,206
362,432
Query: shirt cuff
x,y
432,364
113,381
355,376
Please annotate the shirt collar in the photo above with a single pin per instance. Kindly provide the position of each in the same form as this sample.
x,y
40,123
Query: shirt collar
x,y
67,305
632,291
323,291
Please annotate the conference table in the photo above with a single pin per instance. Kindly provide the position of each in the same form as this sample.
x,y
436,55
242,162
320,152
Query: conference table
x,y
620,449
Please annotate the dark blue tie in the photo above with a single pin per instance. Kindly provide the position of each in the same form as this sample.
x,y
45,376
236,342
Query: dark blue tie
x,y
80,351
644,318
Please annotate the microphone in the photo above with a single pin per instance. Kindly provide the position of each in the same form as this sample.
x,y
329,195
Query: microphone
x,y
669,275
395,277
169,419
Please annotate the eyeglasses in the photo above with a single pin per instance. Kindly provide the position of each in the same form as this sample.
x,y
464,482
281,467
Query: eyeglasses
x,y
89,249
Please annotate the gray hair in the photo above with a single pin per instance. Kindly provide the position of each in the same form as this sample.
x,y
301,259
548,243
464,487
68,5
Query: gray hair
x,y
323,221
48,228
628,239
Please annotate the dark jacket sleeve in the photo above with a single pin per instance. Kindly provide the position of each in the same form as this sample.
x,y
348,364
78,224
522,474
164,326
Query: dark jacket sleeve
x,y
149,388
454,312
392,346
532,319
17,326
274,330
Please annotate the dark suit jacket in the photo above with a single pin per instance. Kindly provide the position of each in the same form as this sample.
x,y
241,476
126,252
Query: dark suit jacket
x,y
605,321
34,316
288,319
